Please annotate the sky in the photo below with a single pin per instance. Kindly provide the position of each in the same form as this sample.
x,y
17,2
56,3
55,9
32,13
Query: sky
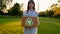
x,y
40,5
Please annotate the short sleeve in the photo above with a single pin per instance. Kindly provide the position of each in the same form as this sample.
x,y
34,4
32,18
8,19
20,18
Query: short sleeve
x,y
36,14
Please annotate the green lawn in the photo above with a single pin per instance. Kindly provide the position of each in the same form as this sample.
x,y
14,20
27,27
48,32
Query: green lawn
x,y
49,25
12,25
5,19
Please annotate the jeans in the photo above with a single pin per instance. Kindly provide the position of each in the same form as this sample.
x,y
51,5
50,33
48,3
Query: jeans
x,y
30,30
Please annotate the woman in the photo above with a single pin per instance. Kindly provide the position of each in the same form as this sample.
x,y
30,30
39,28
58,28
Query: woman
x,y
30,12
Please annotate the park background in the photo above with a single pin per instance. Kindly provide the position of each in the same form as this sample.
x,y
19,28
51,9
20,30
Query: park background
x,y
11,12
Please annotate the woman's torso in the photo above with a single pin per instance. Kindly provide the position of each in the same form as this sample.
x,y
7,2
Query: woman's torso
x,y
30,13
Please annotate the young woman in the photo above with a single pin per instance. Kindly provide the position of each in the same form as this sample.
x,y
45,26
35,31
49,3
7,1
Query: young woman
x,y
30,12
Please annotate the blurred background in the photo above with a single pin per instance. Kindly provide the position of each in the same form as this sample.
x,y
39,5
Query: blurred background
x,y
11,12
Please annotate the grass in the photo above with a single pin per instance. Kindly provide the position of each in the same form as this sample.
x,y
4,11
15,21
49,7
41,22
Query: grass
x,y
49,26
5,19
11,28
12,25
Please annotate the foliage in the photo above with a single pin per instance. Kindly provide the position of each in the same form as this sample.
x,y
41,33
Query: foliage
x,y
41,14
15,10
56,9
49,13
5,3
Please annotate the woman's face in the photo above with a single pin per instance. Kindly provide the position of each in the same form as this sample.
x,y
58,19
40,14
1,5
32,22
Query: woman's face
x,y
31,5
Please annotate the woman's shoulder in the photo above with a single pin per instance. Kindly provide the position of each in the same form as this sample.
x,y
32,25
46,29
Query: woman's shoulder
x,y
36,12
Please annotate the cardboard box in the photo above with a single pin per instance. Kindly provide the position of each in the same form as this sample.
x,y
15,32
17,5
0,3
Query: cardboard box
x,y
34,21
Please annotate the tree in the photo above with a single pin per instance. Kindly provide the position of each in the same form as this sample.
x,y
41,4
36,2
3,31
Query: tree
x,y
15,10
49,13
41,14
5,2
56,9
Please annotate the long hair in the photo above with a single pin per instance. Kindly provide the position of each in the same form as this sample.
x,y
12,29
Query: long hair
x,y
28,5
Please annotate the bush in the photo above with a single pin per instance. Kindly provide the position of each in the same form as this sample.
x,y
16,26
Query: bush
x,y
49,13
